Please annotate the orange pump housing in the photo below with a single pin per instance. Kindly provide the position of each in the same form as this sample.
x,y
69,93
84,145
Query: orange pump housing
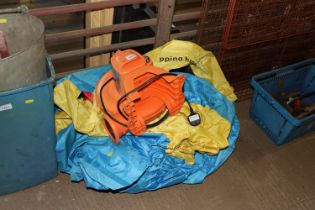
x,y
135,93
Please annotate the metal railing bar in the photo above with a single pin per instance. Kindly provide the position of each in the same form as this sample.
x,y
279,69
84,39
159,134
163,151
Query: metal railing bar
x,y
105,49
71,8
116,27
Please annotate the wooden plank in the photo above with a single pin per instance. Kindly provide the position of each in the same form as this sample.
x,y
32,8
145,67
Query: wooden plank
x,y
165,18
98,19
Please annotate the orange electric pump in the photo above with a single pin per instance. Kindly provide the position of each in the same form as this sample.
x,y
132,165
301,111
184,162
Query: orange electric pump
x,y
135,93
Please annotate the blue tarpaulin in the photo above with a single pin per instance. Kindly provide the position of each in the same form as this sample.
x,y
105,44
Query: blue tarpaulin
x,y
139,164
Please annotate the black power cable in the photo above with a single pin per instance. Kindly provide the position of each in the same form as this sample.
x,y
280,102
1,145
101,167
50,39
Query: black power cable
x,y
193,118
143,85
104,108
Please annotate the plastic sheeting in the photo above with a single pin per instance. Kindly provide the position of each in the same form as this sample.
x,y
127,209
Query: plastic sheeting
x,y
184,140
86,116
141,163
177,54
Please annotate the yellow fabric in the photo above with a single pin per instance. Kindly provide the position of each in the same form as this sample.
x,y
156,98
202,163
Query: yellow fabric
x,y
62,120
185,140
86,116
176,54
209,137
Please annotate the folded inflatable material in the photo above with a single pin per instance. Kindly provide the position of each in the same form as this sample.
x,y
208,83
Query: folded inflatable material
x,y
184,140
142,163
177,54
168,154
86,116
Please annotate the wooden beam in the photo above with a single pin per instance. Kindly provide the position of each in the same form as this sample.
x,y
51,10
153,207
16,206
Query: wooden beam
x,y
165,19
98,19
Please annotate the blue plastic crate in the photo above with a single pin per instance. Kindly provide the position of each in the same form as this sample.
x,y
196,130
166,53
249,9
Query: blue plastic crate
x,y
27,135
269,114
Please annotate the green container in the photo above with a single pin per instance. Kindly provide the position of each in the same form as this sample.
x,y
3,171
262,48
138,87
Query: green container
x,y
27,135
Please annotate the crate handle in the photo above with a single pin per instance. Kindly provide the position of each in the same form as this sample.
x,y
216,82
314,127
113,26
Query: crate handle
x,y
279,74
21,9
276,73
303,65
266,77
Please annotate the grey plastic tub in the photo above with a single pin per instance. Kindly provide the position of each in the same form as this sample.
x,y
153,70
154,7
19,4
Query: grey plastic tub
x,y
25,39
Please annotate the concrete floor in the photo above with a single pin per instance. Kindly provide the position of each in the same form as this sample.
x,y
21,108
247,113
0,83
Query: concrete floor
x,y
259,175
